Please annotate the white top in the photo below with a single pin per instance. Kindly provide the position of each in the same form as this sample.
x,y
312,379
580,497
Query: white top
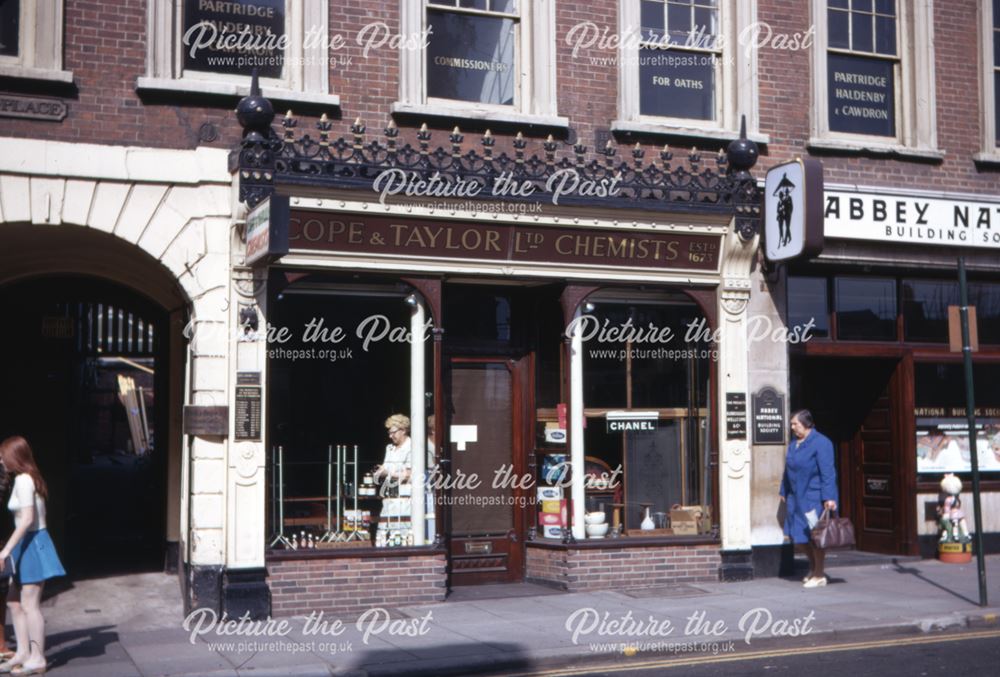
x,y
24,494
397,459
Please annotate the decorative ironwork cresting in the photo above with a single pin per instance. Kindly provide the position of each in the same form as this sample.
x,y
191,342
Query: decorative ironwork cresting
x,y
722,185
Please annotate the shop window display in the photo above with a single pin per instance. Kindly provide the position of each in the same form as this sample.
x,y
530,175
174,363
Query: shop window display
x,y
942,443
646,436
338,419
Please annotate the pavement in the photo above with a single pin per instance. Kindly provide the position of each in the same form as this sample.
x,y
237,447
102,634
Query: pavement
x,y
133,625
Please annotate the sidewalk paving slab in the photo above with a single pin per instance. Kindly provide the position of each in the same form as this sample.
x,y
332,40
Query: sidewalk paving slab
x,y
902,598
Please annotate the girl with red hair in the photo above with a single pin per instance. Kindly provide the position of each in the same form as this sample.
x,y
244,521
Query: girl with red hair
x,y
33,555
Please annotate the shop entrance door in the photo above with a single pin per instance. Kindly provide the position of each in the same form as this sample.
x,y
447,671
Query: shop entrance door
x,y
485,520
880,469
861,404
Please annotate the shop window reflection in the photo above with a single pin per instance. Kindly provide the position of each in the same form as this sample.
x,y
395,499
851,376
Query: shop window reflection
x,y
664,464
925,309
808,302
866,308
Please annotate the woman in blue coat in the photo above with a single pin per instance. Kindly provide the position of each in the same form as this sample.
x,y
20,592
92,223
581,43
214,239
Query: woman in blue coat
x,y
809,485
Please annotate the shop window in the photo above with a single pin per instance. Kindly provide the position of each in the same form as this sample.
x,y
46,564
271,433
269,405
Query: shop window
x,y
646,372
31,40
490,59
990,80
186,50
942,443
925,309
808,302
866,308
327,406
680,70
874,77
986,299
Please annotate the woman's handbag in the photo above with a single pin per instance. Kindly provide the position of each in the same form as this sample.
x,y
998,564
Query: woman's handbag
x,y
833,532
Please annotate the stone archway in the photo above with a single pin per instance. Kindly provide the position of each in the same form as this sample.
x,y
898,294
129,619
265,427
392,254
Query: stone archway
x,y
158,223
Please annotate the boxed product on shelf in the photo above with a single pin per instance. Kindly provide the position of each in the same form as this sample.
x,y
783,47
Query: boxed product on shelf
x,y
551,519
553,506
691,519
552,532
550,493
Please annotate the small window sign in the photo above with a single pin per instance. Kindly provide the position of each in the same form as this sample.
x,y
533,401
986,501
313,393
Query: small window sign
x,y
471,57
862,95
234,36
632,421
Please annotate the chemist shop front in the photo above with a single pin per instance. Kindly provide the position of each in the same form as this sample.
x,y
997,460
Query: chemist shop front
x,y
879,375
467,393
489,387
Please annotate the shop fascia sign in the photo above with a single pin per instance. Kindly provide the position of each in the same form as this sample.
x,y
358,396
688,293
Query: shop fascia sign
x,y
267,231
526,243
900,218
793,210
632,421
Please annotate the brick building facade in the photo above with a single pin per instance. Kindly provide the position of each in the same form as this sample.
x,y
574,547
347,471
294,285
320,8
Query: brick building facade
x,y
146,181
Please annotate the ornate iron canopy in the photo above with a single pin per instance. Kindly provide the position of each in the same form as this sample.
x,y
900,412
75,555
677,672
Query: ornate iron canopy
x,y
720,185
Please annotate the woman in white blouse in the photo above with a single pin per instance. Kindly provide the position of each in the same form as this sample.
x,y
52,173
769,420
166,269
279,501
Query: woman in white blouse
x,y
395,475
33,557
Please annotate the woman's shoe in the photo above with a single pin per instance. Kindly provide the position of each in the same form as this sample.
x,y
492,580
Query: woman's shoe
x,y
7,667
817,582
40,670
4,655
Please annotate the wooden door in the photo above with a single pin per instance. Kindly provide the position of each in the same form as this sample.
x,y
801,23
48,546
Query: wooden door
x,y
485,523
880,467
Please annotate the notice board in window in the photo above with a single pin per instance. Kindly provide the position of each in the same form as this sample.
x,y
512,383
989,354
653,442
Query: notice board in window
x,y
652,470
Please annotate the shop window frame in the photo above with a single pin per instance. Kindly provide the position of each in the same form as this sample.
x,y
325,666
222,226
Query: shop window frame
x,y
915,90
925,346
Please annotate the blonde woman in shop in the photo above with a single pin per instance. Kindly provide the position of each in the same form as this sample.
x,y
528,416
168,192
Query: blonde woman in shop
x,y
394,473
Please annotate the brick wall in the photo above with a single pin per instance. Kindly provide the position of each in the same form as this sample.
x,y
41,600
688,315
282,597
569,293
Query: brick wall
x,y
786,91
597,569
347,585
105,47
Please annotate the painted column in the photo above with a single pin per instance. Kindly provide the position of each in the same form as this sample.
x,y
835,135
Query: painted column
x,y
734,454
576,426
418,421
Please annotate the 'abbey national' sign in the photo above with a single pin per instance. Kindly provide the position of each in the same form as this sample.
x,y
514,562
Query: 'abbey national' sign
x,y
895,218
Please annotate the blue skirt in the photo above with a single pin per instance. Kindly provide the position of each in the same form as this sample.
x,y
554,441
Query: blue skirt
x,y
35,558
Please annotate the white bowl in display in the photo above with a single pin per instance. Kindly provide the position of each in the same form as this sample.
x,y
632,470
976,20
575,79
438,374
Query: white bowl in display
x,y
597,530
597,517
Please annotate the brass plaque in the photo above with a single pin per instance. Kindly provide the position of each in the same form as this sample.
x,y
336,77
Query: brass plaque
x,y
206,421
479,548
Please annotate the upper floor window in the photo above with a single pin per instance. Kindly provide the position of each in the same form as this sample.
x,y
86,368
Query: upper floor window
x,y
679,59
472,51
482,59
259,26
31,40
10,27
990,81
212,47
994,73
873,77
862,67
682,69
